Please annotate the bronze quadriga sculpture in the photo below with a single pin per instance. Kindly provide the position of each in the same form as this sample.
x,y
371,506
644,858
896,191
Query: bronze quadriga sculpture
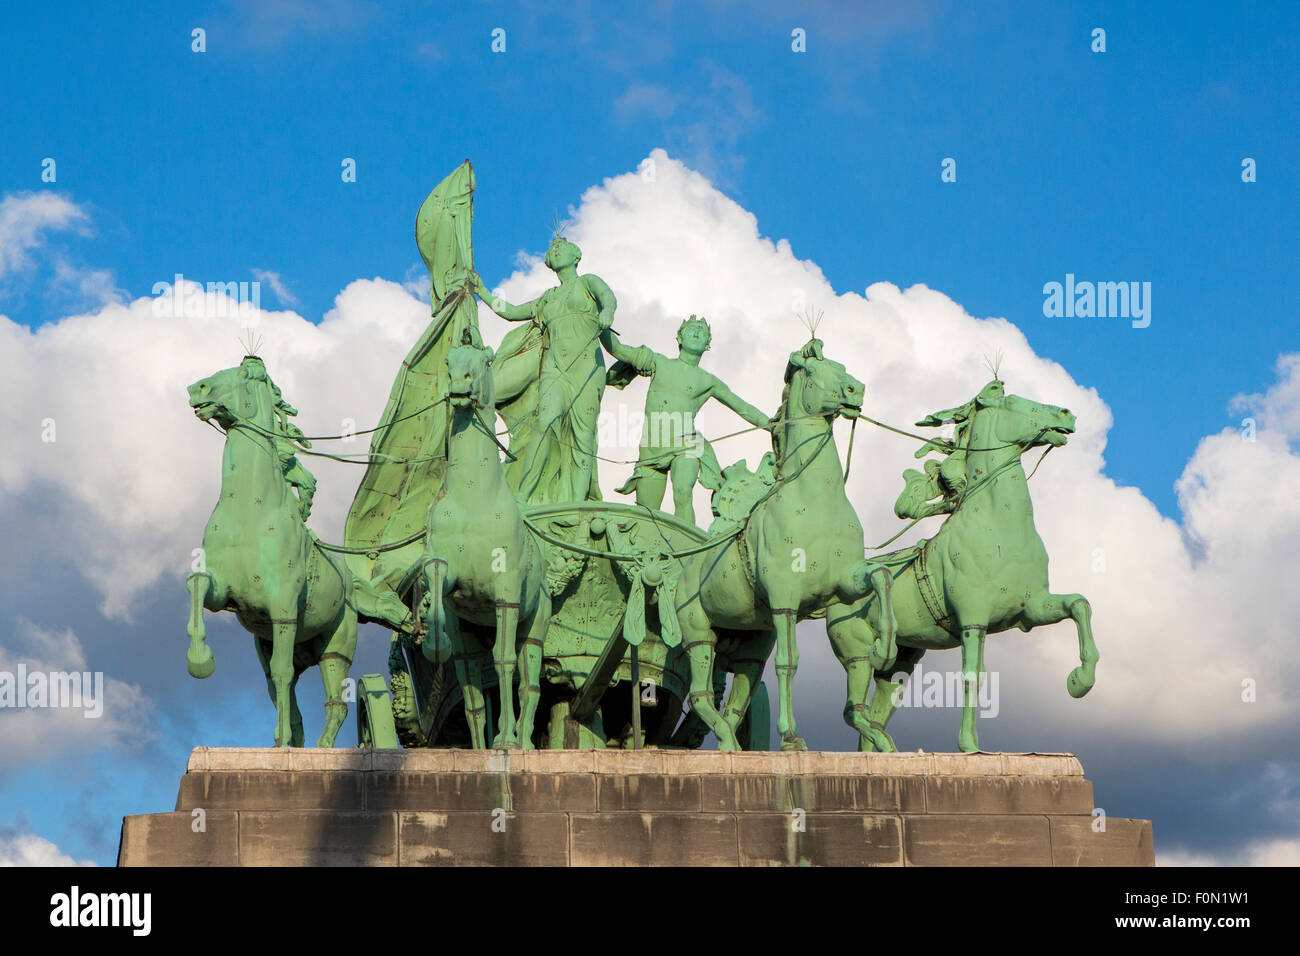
x,y
526,611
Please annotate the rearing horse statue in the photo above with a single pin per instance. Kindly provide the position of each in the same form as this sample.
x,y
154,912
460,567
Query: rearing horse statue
x,y
985,570
798,554
260,561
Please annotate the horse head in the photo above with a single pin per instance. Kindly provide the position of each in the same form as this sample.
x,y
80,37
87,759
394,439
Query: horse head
x,y
470,367
234,394
994,419
816,385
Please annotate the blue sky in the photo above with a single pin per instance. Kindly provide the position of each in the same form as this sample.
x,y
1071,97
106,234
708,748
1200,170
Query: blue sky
x,y
1115,166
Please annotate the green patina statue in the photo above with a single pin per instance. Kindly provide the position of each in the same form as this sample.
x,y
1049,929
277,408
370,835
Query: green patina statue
x,y
670,445
260,561
527,612
559,463
799,554
986,569
481,564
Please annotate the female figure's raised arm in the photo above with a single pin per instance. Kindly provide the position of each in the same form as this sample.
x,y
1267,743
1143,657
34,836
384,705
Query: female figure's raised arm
x,y
511,313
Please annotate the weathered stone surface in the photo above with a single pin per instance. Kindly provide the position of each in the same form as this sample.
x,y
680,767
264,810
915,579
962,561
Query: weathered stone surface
x,y
642,808
484,839
654,791
826,839
330,758
630,761
480,791
414,761
1122,843
242,758
977,840
155,838
634,761
317,838
988,794
559,761
968,765
272,790
862,793
653,839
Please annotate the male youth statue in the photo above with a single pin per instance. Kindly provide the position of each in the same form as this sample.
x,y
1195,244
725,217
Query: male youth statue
x,y
670,446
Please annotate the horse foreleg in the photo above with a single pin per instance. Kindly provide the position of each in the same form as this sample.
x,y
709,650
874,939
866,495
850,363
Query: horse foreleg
x,y
972,669
1050,608
530,668
284,635
787,663
437,646
199,659
886,696
861,581
503,654
334,665
852,640
885,648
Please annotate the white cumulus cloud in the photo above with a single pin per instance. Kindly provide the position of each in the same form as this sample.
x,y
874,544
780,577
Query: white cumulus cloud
x,y
1192,617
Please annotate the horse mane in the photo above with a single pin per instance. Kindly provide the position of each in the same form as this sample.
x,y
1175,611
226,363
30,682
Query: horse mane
x,y
994,365
252,344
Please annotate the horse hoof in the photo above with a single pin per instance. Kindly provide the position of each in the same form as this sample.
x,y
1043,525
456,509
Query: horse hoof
x,y
505,743
200,664
878,740
1076,683
793,743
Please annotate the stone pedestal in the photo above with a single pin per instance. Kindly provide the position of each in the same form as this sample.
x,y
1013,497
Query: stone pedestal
x,y
308,807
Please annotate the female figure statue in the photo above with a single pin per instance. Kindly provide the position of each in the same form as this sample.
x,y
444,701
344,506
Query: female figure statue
x,y
559,463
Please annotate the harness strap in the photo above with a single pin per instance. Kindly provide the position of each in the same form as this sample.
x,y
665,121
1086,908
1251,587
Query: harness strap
x,y
924,583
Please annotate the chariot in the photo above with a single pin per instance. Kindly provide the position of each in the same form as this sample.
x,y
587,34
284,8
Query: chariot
x,y
496,573
604,683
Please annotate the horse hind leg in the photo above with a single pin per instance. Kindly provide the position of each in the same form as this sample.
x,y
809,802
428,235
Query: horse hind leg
x,y
748,672
297,736
280,676
1048,608
699,642
334,664
530,669
470,675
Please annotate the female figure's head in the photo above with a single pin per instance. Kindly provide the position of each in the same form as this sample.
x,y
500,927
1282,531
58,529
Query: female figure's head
x,y
561,253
